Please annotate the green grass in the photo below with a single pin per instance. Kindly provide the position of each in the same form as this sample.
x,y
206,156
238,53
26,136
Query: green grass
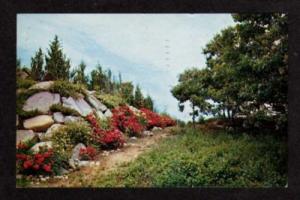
x,y
67,89
194,159
64,110
111,101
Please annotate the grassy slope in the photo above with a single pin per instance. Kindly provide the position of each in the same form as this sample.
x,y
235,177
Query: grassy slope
x,y
197,159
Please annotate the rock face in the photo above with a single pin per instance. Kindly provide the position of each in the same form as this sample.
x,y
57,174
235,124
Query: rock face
x,y
96,103
79,105
25,135
51,130
39,145
75,158
108,113
69,119
45,85
41,101
58,117
100,115
38,123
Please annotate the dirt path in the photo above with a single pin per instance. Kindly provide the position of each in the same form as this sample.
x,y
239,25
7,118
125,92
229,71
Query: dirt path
x,y
109,160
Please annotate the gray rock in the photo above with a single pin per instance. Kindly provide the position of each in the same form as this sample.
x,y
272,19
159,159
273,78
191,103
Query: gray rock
x,y
25,135
80,105
58,117
45,85
96,103
36,147
147,133
75,158
51,130
69,119
100,115
41,101
108,113
38,123
156,128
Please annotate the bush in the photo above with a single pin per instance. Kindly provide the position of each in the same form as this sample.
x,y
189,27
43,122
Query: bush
x,y
63,110
67,89
66,137
126,121
107,138
111,101
24,83
88,153
154,119
44,162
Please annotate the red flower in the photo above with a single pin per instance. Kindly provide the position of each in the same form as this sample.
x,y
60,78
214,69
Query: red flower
x,y
21,156
27,164
47,168
36,167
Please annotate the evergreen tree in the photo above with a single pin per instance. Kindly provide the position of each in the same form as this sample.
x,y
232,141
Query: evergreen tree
x,y
79,74
127,92
148,103
138,98
57,65
37,71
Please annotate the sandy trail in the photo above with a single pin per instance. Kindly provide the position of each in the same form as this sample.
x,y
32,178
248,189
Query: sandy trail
x,y
87,175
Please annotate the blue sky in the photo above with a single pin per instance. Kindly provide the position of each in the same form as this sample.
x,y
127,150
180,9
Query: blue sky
x,y
148,49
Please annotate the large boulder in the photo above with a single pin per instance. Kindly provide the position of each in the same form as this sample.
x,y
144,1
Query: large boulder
x,y
38,123
75,158
41,101
51,130
108,113
100,115
96,103
69,119
45,85
37,146
58,117
25,135
79,104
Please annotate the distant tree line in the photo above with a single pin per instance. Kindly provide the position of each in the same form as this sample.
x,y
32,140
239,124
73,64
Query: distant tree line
x,y
56,66
246,72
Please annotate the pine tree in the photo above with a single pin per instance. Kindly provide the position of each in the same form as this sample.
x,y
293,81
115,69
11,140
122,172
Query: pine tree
x,y
37,72
127,92
138,98
148,103
57,65
79,74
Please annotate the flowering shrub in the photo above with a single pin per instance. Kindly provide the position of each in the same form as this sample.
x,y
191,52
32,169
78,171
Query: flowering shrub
x,y
34,163
111,138
88,153
157,120
126,121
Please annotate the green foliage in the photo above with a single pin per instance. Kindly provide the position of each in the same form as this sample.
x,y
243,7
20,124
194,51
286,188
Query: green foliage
x,y
148,103
63,110
194,159
66,137
138,98
57,65
78,75
111,101
66,89
24,83
127,92
247,67
37,71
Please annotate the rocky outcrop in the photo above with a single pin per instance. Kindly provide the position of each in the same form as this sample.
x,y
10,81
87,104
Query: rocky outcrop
x,y
45,85
37,146
69,119
41,101
75,158
51,130
80,105
108,113
96,103
58,117
38,123
25,135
